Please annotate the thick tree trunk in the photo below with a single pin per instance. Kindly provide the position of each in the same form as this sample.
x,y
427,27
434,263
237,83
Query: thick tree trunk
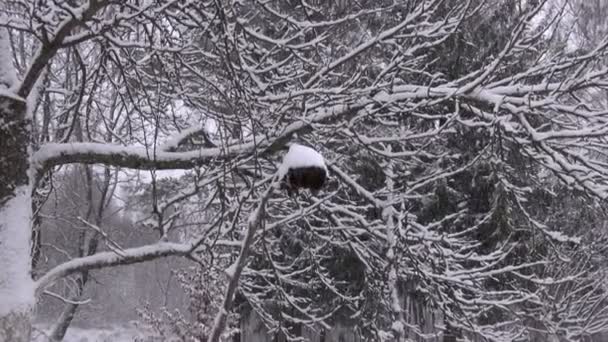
x,y
16,285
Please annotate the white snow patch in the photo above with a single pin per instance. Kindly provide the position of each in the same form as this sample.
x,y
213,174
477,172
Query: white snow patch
x,y
174,141
398,327
112,333
16,285
11,94
231,270
560,237
301,156
7,69
34,96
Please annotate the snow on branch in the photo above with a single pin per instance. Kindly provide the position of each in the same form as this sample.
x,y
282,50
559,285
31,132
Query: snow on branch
x,y
107,259
49,48
177,140
134,157
137,157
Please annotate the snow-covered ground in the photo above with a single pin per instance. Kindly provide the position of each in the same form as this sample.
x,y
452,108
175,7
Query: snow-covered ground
x,y
110,334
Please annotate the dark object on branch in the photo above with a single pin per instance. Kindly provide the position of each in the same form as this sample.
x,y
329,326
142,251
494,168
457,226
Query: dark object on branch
x,y
302,167
311,177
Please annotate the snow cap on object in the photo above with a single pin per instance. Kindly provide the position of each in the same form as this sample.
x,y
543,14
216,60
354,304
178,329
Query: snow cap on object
x,y
301,156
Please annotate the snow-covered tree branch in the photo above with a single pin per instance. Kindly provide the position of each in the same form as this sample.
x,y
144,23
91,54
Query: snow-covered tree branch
x,y
114,258
452,131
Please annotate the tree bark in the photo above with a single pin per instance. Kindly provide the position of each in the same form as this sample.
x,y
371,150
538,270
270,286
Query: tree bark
x,y
234,271
16,285
69,311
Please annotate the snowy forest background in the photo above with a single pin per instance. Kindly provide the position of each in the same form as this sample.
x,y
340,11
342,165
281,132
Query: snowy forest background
x,y
465,141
